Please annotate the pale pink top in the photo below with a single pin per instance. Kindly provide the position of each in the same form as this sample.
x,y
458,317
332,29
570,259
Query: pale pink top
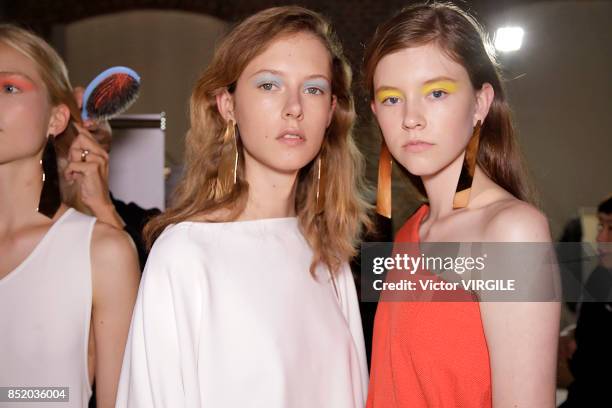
x,y
45,312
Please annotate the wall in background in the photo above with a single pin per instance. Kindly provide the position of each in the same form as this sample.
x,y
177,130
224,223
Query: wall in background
x,y
561,96
167,48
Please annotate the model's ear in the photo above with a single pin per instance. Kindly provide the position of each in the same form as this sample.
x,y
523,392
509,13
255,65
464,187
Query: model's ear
x,y
373,106
60,117
484,98
225,105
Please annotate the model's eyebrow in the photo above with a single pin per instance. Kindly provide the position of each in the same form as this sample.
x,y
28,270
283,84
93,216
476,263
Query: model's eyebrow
x,y
387,88
318,76
267,71
14,73
439,79
281,74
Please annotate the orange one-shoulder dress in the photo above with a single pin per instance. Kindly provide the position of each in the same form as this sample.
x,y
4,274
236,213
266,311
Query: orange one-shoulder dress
x,y
428,354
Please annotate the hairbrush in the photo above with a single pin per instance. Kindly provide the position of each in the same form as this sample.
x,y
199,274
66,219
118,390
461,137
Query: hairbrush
x,y
110,93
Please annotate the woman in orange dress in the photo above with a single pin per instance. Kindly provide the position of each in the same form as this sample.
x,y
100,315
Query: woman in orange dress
x,y
438,99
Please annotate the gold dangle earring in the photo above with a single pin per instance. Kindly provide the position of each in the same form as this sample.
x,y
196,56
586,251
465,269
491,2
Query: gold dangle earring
x,y
383,191
466,177
320,176
227,174
50,195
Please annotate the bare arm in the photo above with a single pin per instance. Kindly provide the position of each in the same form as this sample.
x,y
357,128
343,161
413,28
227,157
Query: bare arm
x,y
521,336
115,276
88,173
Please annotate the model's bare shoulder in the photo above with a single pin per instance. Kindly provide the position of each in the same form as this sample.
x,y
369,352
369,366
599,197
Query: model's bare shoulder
x,y
113,255
108,243
514,220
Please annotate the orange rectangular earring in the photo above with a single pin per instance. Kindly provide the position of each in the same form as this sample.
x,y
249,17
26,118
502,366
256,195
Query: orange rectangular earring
x,y
383,192
466,177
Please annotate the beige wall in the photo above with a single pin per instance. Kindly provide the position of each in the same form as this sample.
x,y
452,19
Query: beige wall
x,y
562,97
167,48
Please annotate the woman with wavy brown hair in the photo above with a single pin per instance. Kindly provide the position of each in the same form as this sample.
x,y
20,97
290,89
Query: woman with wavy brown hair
x,y
247,298
438,99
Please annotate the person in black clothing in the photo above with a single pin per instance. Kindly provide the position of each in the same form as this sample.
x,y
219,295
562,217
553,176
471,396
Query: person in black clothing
x,y
135,218
382,232
592,361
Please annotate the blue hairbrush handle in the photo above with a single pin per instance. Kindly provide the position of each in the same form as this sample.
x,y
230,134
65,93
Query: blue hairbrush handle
x,y
99,79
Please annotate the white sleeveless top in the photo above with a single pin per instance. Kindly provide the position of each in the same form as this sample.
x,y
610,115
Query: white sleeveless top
x,y
45,313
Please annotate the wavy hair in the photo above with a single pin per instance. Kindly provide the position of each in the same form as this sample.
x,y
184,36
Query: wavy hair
x,y
333,233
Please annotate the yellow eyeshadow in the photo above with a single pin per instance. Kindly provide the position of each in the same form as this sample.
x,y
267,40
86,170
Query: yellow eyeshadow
x,y
388,93
447,86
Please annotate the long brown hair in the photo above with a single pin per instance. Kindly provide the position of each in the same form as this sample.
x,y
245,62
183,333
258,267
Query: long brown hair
x,y
331,234
463,39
